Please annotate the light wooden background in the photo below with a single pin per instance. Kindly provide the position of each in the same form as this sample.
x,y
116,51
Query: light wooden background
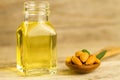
x,y
86,20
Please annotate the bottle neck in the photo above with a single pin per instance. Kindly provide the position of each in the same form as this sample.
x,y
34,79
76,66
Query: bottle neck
x,y
35,17
36,11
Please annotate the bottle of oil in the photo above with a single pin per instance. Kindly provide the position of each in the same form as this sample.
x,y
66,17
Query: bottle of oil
x,y
36,41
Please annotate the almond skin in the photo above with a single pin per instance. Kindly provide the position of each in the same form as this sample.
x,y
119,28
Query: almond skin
x,y
76,60
84,56
91,60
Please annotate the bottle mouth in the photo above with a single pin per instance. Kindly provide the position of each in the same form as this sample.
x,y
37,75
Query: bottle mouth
x,y
37,6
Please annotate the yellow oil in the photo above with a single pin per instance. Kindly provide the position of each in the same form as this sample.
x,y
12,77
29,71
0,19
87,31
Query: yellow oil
x,y
36,48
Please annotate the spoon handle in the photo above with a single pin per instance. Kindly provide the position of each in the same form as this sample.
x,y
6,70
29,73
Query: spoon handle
x,y
111,51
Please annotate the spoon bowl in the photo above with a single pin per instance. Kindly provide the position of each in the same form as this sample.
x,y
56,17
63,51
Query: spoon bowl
x,y
83,68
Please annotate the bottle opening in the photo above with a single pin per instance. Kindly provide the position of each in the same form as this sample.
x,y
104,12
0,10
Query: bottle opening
x,y
34,7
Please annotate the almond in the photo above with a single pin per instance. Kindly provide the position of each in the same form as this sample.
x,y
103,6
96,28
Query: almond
x,y
97,60
77,54
91,60
84,56
68,59
76,60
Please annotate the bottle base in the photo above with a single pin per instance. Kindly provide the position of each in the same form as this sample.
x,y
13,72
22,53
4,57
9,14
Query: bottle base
x,y
36,72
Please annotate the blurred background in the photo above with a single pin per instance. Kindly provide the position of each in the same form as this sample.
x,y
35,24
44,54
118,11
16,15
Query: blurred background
x,y
90,24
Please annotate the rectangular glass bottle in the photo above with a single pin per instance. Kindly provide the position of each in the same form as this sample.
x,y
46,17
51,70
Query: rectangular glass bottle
x,y
36,41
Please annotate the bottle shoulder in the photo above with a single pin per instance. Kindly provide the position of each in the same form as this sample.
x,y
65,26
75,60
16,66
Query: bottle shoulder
x,y
20,27
49,26
37,28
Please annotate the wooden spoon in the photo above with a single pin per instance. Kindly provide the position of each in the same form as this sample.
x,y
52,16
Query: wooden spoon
x,y
89,68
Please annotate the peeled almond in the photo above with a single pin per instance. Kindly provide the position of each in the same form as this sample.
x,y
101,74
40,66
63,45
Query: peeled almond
x,y
91,60
97,60
77,54
68,59
84,56
76,60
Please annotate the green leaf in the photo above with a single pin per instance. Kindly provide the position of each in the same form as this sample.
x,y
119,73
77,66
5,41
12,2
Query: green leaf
x,y
84,50
101,54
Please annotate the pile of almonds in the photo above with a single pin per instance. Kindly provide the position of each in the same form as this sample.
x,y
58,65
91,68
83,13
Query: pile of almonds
x,y
83,58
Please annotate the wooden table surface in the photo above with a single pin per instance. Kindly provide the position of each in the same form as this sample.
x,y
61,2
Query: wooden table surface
x,y
109,69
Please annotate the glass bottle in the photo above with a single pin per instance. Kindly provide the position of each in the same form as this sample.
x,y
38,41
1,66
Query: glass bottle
x,y
36,41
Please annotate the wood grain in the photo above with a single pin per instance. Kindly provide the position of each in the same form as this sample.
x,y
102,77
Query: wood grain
x,y
83,19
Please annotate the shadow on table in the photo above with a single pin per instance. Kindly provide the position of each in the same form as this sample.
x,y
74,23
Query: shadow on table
x,y
8,70
67,72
